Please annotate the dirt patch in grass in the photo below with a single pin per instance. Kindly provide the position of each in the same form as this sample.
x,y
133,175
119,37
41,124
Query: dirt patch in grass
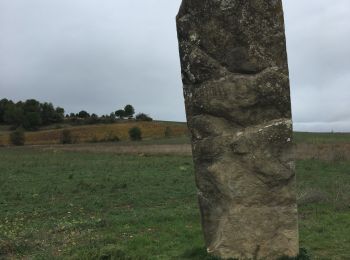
x,y
151,149
324,152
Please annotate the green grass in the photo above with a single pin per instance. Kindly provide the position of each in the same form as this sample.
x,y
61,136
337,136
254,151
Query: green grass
x,y
88,205
325,211
321,138
70,205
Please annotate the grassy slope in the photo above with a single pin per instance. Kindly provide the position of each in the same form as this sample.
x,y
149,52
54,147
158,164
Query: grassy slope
x,y
321,138
151,130
87,133
90,205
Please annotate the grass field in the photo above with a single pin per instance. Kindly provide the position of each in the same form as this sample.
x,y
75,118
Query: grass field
x,y
78,205
321,138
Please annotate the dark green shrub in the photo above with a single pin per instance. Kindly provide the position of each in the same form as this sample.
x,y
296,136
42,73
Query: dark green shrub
x,y
66,137
135,134
143,117
168,132
17,137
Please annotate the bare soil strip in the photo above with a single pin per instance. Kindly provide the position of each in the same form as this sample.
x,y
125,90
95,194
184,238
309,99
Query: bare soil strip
x,y
151,149
327,152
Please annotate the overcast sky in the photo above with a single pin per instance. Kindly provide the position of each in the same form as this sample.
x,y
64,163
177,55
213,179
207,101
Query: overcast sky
x,y
101,55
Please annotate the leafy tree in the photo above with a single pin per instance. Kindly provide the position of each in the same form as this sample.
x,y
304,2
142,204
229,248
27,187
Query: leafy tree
x,y
17,137
135,134
129,111
59,115
4,104
120,113
143,117
83,114
47,113
50,114
31,121
13,115
30,114
31,105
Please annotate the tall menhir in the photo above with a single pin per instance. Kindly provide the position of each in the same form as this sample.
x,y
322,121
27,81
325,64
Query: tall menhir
x,y
236,89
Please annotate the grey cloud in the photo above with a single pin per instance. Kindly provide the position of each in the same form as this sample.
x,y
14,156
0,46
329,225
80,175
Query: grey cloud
x,y
318,36
88,55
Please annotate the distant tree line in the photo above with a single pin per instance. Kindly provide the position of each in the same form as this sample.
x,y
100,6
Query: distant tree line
x,y
32,114
128,112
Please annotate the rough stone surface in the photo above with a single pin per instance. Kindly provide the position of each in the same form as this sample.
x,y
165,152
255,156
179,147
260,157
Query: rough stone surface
x,y
237,97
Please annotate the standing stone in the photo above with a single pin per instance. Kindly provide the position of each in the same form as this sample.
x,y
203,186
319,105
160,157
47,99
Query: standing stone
x,y
236,89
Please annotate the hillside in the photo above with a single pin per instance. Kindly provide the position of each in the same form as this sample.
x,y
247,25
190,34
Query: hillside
x,y
152,132
100,132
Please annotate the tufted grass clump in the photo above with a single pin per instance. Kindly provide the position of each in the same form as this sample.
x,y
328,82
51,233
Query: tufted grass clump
x,y
17,137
